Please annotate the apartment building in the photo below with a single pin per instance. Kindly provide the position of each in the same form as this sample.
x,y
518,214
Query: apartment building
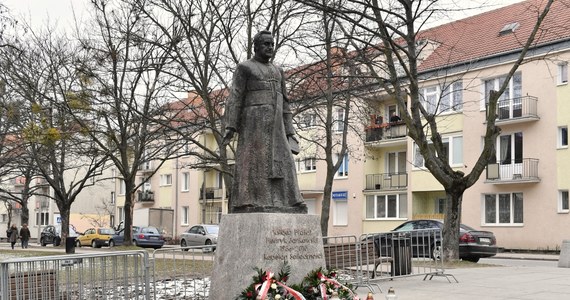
x,y
522,196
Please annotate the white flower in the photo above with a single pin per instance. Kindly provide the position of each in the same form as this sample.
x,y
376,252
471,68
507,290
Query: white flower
x,y
277,297
274,286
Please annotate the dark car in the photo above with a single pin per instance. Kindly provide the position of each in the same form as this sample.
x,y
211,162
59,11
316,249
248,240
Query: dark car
x,y
52,235
148,236
424,237
200,235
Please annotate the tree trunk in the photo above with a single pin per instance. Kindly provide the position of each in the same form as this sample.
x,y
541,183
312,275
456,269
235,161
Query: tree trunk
x,y
450,244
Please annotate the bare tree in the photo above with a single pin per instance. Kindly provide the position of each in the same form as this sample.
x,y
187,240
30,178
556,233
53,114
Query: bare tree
x,y
125,87
44,84
388,42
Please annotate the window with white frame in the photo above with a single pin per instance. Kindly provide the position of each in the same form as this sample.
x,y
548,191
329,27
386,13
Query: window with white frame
x,y
185,215
308,164
113,174
563,204
122,187
42,218
502,209
185,184
563,73
121,213
113,198
165,179
386,206
311,206
340,209
563,137
441,99
453,147
308,120
343,168
339,120
512,92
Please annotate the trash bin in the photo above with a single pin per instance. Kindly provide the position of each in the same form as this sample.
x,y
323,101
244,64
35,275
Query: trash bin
x,y
401,256
70,245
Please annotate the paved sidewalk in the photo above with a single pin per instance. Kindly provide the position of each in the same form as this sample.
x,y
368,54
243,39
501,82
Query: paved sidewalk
x,y
485,283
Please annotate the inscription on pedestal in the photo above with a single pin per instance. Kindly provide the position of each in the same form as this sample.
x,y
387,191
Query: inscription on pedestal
x,y
291,244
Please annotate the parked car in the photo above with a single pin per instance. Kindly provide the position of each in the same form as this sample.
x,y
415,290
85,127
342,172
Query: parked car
x,y
425,239
200,235
52,235
147,236
96,237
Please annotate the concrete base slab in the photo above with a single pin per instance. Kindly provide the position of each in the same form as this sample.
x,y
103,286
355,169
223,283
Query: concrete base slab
x,y
564,259
265,241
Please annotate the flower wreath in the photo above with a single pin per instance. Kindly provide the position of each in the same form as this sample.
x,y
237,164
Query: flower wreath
x,y
319,284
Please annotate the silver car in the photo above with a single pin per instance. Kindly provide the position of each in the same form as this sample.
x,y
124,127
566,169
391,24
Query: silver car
x,y
200,235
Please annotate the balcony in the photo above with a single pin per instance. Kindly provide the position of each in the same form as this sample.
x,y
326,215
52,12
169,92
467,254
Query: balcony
x,y
145,167
386,181
211,193
146,196
517,110
516,171
386,134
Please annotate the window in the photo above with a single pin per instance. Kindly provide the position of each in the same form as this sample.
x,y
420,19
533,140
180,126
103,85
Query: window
x,y
563,204
311,206
512,92
340,212
396,162
113,198
338,123
453,147
386,206
308,164
185,182
121,212
122,187
447,98
503,209
112,220
4,218
308,120
563,73
113,175
440,205
185,215
563,137
165,179
510,148
343,168
42,218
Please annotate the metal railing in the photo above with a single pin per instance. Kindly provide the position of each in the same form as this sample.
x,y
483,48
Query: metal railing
x,y
386,181
185,272
515,170
386,131
110,275
519,107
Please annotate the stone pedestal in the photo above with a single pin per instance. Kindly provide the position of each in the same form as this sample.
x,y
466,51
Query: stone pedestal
x,y
564,259
265,241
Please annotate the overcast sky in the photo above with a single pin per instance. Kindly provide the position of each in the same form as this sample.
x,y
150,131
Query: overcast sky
x,y
61,11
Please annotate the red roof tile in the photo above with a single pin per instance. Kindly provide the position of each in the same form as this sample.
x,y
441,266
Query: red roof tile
x,y
477,37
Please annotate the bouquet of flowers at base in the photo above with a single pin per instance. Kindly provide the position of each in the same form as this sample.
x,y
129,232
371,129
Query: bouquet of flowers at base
x,y
267,285
322,284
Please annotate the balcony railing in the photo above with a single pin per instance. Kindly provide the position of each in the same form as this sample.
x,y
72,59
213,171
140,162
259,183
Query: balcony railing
x,y
211,193
386,181
146,167
523,170
146,196
525,107
386,131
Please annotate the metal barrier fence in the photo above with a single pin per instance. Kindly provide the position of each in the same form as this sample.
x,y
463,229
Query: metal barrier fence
x,y
182,274
110,275
374,257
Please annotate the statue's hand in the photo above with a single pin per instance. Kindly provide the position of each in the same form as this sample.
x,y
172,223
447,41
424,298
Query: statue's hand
x,y
228,135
